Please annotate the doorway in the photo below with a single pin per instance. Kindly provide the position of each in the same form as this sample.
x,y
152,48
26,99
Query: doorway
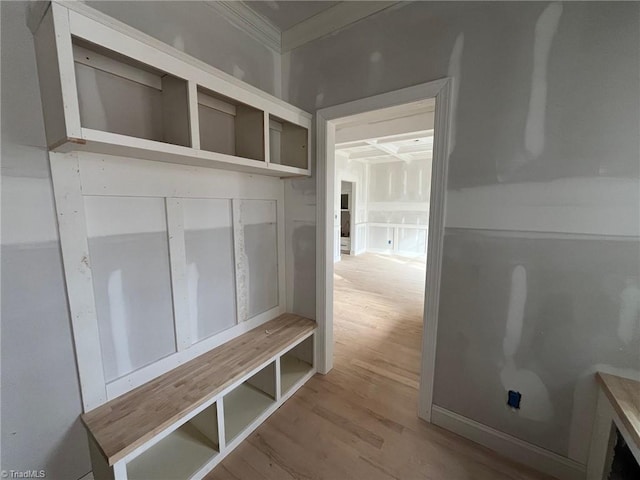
x,y
327,120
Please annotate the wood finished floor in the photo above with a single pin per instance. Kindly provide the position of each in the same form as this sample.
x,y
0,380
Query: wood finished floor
x,y
359,421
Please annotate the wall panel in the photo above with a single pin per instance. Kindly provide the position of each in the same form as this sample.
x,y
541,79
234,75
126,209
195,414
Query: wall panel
x,y
539,315
208,232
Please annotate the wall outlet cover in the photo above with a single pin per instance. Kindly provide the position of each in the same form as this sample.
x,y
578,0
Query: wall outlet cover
x,y
513,399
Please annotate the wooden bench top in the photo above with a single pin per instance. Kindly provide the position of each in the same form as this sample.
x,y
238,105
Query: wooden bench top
x,y
624,396
124,423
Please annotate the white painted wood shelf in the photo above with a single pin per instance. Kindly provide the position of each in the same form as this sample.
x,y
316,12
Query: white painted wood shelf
x,y
109,89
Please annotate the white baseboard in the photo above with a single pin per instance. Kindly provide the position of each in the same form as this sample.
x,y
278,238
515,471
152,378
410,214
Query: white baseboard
x,y
511,447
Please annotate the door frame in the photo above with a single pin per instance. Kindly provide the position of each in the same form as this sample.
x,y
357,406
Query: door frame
x,y
326,121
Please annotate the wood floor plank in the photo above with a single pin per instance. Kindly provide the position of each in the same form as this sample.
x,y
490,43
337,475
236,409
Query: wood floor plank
x,y
360,421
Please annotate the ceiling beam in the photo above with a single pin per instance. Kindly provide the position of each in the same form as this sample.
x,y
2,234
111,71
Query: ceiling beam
x,y
387,139
367,154
389,151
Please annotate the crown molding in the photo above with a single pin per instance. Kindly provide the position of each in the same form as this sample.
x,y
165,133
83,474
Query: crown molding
x,y
330,20
250,22
35,14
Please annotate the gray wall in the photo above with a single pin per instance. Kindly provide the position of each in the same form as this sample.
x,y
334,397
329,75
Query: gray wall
x,y
197,29
542,254
40,391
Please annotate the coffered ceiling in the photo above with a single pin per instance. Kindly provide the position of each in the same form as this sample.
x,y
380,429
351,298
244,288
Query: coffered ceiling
x,y
405,147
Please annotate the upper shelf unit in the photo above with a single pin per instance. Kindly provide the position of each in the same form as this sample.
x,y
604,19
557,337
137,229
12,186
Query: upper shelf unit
x,y
107,88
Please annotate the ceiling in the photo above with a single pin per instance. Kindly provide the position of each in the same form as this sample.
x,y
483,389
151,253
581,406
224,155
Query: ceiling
x,y
285,15
404,147
286,25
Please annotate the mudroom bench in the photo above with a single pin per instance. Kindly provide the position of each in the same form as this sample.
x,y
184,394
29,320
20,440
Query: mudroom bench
x,y
182,424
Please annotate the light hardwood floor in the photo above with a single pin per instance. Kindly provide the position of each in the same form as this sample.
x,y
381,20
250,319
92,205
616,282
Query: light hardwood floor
x,y
359,421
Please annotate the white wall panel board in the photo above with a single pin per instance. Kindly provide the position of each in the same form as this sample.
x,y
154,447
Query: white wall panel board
x,y
109,175
210,266
132,281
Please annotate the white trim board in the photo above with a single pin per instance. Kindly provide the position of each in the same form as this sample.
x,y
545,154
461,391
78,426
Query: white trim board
x,y
509,446
326,122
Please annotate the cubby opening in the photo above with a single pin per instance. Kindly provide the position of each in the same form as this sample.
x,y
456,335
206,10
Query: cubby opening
x,y
182,453
288,143
120,95
244,404
230,127
296,364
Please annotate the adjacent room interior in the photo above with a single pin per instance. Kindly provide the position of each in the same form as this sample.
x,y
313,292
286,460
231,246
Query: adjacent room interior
x,y
382,184
324,240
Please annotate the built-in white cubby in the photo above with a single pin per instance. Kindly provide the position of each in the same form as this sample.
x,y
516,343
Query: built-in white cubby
x,y
230,127
182,453
296,365
288,143
110,89
119,95
248,401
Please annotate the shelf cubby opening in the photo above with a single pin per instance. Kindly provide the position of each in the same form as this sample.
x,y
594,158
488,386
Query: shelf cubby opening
x,y
296,364
182,453
244,404
120,95
288,143
230,127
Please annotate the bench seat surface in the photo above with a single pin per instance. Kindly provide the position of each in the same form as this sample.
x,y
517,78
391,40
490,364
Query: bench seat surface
x,y
124,423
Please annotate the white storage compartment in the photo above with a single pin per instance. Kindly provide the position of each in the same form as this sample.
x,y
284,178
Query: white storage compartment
x,y
182,453
296,364
230,127
109,89
119,95
248,401
288,143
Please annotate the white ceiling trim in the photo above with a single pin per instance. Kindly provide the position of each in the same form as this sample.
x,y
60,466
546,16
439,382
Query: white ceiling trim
x,y
323,23
330,20
250,22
